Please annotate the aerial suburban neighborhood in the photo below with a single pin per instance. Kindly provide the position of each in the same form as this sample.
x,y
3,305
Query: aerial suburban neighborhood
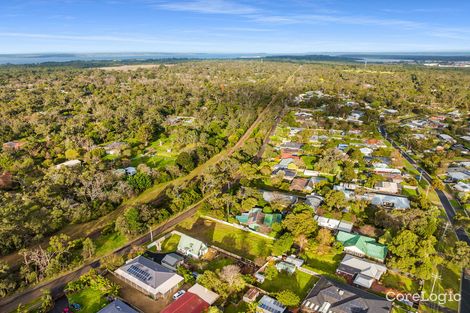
x,y
224,169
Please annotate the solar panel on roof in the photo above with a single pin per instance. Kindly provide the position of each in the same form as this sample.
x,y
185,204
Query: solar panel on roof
x,y
138,273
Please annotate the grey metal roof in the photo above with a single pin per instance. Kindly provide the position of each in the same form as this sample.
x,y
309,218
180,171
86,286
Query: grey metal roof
x,y
172,259
117,306
158,273
345,298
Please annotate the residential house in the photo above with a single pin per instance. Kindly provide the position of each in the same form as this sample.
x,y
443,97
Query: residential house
x,y
386,171
71,163
298,184
149,277
284,163
315,180
333,224
462,187
311,173
290,154
187,303
251,295
279,197
362,272
269,305
366,151
389,201
130,170
204,293
287,174
191,247
294,131
295,146
314,201
13,145
118,306
332,296
6,180
447,138
342,146
292,259
361,246
259,221
172,261
457,174
260,278
388,187
285,266
115,148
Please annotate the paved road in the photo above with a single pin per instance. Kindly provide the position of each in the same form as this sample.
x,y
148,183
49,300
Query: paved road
x,y
57,285
449,209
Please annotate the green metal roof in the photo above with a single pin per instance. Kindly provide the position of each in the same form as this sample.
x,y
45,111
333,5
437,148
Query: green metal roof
x,y
366,244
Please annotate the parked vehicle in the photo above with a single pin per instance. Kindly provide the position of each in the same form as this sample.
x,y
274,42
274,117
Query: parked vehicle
x,y
178,294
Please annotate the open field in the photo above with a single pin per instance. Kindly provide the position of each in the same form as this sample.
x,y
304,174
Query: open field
x,y
234,240
299,282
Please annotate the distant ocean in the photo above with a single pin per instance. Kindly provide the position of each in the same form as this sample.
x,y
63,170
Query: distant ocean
x,y
369,57
66,57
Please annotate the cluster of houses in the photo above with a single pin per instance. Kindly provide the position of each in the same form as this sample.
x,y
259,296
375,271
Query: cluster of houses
x,y
159,280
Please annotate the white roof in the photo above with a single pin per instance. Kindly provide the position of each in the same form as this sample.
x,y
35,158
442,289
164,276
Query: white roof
x,y
363,281
149,276
204,293
69,163
461,186
366,267
458,175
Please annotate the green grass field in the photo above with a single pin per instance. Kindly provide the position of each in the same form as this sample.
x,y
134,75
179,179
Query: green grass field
x,y
323,264
89,299
229,238
299,282
449,282
110,242
400,282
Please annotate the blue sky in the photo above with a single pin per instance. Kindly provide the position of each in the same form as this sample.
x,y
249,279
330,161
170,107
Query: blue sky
x,y
224,26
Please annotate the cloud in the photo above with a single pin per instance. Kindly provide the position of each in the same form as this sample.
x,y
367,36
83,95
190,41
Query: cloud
x,y
99,38
208,7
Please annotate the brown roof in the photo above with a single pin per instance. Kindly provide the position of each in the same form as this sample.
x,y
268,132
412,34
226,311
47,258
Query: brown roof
x,y
298,184
5,180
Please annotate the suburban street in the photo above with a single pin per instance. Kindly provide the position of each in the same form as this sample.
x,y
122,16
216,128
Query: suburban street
x,y
449,209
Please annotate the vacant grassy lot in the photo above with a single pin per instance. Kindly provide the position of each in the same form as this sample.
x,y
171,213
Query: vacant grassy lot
x,y
325,264
299,282
109,242
237,241
400,282
90,300
449,282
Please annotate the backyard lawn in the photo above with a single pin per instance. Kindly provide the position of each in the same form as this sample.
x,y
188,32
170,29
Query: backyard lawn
x,y
299,282
241,307
229,238
170,244
89,299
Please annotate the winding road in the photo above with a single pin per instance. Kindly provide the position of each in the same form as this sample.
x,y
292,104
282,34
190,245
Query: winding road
x,y
449,209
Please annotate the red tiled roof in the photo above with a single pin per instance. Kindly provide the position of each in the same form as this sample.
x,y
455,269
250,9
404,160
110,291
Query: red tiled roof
x,y
188,303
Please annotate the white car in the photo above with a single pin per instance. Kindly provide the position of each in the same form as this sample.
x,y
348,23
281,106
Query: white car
x,y
178,294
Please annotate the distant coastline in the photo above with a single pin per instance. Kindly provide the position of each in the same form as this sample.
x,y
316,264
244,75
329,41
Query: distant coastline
x,y
97,59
